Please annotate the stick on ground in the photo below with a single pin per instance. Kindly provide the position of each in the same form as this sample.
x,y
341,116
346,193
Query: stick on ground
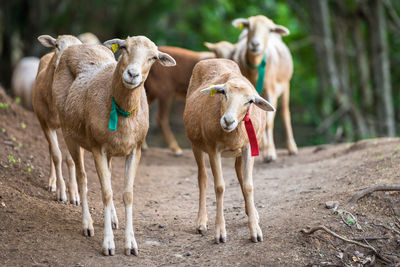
x,y
321,227
377,187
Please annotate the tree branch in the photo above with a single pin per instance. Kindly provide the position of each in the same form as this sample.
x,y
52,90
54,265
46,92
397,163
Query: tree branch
x,y
377,187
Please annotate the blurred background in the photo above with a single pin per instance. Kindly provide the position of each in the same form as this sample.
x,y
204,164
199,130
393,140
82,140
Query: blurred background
x,y
346,52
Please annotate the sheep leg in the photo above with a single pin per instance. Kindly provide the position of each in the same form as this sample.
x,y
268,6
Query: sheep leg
x,y
150,101
131,166
163,121
101,162
247,164
219,187
77,153
238,169
73,187
114,217
269,151
239,174
52,176
56,156
202,219
290,142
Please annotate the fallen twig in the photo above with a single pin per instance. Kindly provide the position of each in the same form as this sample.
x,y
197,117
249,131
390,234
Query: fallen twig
x,y
377,187
370,238
321,227
388,228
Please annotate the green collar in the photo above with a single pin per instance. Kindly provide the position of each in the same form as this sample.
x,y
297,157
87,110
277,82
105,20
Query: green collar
x,y
261,73
115,111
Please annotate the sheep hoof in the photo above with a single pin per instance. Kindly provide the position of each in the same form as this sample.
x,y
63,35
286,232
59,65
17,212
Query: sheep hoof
x,y
269,159
293,152
202,230
114,225
220,239
257,238
75,202
62,200
178,153
109,251
52,188
88,232
133,251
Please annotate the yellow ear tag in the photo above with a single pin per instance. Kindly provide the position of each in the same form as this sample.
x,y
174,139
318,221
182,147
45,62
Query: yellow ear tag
x,y
114,47
213,92
240,26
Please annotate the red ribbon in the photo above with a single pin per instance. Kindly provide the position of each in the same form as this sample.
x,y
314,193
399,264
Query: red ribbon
x,y
251,134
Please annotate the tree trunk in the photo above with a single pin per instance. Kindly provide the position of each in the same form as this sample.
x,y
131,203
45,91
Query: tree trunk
x,y
321,32
381,69
363,73
326,54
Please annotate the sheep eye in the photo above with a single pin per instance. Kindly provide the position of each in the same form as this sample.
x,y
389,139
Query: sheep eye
x,y
153,58
251,101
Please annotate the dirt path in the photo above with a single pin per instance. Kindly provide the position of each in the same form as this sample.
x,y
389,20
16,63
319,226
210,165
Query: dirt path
x,y
290,194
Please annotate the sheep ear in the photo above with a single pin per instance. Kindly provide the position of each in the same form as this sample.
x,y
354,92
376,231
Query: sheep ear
x,y
263,104
210,46
114,44
213,89
240,23
166,59
279,29
47,40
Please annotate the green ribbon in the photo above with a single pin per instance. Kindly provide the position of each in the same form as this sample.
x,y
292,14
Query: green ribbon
x,y
115,111
261,73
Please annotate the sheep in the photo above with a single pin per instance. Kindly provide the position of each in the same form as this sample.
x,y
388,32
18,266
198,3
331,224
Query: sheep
x,y
23,78
262,37
214,125
222,49
43,106
88,38
165,84
25,72
90,90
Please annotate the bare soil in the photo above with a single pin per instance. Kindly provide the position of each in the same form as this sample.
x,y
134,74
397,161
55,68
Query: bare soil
x,y
290,195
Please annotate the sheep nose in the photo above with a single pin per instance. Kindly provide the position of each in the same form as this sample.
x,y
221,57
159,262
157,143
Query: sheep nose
x,y
132,73
228,122
255,43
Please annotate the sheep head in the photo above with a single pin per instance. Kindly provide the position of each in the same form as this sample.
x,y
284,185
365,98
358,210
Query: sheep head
x,y
221,49
137,56
59,44
236,97
258,30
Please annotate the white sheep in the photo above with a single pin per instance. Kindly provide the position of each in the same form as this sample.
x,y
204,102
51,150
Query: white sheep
x,y
43,106
23,78
103,108
217,101
261,44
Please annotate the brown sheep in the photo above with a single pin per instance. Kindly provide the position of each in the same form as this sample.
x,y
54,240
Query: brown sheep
x,y
214,125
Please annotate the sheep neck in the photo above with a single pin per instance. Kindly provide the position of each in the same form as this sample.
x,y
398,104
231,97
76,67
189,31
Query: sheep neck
x,y
253,60
126,99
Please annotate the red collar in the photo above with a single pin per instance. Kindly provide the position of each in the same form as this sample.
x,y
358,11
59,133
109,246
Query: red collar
x,y
251,134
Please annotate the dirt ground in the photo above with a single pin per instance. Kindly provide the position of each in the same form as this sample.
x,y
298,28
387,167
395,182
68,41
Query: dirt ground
x,y
290,195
